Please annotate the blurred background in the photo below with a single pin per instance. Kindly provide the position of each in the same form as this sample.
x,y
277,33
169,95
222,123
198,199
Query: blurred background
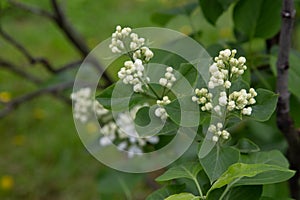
x,y
41,156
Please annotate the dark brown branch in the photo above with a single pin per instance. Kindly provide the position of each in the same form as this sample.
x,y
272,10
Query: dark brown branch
x,y
54,90
69,66
74,37
31,59
32,9
284,120
17,70
69,30
59,18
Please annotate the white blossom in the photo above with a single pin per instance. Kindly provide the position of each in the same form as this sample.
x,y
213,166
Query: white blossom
x,y
203,98
169,78
144,53
241,100
85,105
133,73
217,132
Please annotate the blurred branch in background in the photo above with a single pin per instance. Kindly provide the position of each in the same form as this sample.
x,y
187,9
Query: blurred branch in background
x,y
284,120
58,17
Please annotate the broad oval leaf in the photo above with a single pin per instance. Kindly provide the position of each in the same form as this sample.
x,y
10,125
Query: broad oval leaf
x,y
213,9
245,145
245,192
218,160
274,157
187,170
166,191
266,102
183,196
248,174
184,112
252,18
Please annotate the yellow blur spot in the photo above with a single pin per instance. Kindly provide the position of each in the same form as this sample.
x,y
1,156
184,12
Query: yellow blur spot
x,y
18,140
5,97
225,33
91,127
7,182
185,30
38,113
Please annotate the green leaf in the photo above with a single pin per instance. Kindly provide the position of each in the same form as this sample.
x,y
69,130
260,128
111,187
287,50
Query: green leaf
x,y
274,157
146,123
213,9
218,160
183,196
248,174
266,102
245,192
124,97
187,170
245,145
294,70
252,18
118,183
166,191
189,72
238,84
184,112
104,98
164,16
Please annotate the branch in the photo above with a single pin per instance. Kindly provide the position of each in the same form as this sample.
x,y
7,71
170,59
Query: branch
x,y
31,59
13,104
284,120
69,30
65,26
17,70
74,37
32,9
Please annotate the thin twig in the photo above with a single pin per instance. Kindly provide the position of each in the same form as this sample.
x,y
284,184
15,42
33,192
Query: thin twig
x,y
284,120
14,103
32,9
17,70
21,48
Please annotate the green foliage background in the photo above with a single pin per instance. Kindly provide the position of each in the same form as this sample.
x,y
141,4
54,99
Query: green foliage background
x,y
40,151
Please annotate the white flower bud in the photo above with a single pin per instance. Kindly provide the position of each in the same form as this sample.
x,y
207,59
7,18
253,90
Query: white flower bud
x,y
195,99
227,84
242,60
215,138
163,81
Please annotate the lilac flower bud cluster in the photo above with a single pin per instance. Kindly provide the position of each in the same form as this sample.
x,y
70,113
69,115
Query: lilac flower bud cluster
x,y
225,67
218,132
84,104
133,71
203,98
168,79
242,100
161,111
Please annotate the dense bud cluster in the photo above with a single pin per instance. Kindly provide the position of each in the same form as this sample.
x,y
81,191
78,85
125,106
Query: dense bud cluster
x,y
144,53
169,78
225,67
242,100
161,111
203,98
133,73
222,71
218,132
117,41
121,130
84,104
